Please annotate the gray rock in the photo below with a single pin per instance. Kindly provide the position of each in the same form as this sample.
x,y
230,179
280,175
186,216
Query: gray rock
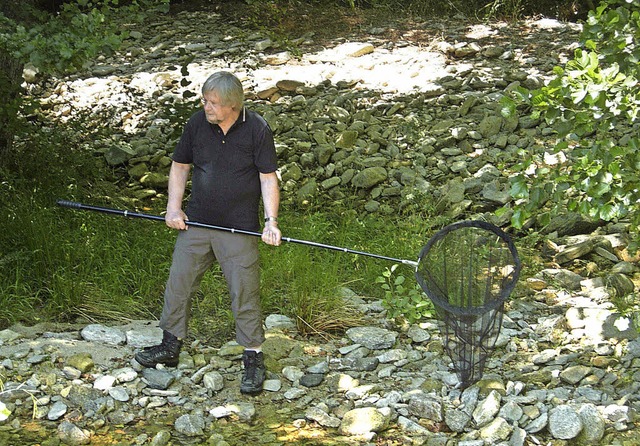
x,y
412,427
564,422
575,374
102,334
279,322
374,338
497,430
321,417
119,393
311,379
457,420
158,379
426,406
191,425
593,424
487,409
213,380
57,411
363,420
369,177
71,434
162,438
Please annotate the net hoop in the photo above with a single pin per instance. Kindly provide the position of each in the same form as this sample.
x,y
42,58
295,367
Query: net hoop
x,y
508,283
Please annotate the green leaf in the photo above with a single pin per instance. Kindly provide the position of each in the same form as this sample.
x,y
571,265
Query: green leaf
x,y
508,107
4,412
518,218
519,189
607,212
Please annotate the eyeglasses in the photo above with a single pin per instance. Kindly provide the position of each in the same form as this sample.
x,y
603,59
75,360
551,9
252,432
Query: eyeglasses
x,y
206,102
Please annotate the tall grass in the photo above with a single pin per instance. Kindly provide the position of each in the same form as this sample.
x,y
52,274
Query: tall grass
x,y
62,265
57,265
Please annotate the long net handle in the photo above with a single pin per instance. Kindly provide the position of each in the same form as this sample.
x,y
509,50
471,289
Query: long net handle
x,y
126,213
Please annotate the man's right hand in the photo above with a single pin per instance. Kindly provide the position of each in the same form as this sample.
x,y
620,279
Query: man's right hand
x,y
176,219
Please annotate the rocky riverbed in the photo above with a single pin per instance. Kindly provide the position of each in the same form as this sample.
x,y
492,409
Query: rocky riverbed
x,y
566,370
381,119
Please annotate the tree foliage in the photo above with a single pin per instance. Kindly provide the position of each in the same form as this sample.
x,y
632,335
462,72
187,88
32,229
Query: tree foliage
x,y
592,104
56,43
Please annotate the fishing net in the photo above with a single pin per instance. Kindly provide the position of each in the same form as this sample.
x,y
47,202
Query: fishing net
x,y
468,270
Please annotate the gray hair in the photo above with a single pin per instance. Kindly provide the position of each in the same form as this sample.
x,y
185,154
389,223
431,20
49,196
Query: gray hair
x,y
227,86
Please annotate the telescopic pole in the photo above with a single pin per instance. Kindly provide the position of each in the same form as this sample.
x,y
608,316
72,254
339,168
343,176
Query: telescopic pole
x,y
126,213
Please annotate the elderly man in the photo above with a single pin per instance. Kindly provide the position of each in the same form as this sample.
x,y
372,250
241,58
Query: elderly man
x,y
232,154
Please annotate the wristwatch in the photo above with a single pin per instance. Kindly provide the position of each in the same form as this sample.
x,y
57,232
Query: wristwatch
x,y
267,219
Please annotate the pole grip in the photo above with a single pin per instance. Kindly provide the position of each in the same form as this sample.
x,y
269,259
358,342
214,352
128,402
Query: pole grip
x,y
69,204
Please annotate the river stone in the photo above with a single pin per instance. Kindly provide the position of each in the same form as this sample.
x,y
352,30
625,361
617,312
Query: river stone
x,y
564,422
346,140
363,420
418,335
158,379
102,334
279,322
575,374
487,409
426,406
307,191
272,385
71,372
162,438
289,85
119,393
57,410
311,379
81,361
496,431
411,426
104,382
155,179
322,417
490,126
369,177
190,425
537,424
72,435
144,337
374,338
511,411
593,424
457,420
213,380
292,373
117,155
8,335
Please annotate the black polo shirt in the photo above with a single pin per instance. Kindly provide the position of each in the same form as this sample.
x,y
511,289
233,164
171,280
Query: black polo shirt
x,y
225,187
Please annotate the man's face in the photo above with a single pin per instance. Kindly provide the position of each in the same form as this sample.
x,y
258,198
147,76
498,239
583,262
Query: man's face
x,y
215,112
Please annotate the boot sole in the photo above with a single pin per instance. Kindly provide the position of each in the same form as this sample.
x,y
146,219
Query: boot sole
x,y
152,365
251,391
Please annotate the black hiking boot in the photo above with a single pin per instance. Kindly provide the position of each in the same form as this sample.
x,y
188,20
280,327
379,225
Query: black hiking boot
x,y
166,353
254,372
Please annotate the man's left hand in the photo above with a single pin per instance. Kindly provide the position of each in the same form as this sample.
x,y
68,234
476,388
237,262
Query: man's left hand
x,y
271,234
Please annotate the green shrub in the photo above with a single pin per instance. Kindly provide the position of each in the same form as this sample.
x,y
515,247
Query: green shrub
x,y
593,104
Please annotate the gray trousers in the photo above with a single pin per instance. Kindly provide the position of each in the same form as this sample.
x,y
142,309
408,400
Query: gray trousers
x,y
195,251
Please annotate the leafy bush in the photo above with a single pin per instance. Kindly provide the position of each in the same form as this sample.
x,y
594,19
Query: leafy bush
x,y
592,104
403,300
60,43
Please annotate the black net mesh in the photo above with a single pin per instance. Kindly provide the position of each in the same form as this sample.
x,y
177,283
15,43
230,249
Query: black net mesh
x,y
468,270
